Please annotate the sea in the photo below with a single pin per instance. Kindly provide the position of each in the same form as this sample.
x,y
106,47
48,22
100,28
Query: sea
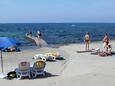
x,y
58,33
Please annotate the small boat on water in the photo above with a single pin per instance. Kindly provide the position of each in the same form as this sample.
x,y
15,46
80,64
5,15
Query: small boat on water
x,y
38,41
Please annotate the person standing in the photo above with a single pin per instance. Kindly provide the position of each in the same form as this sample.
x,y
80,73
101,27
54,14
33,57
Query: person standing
x,y
39,34
106,41
87,41
29,32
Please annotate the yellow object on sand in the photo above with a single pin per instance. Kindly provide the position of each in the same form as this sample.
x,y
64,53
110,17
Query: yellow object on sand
x,y
53,54
39,64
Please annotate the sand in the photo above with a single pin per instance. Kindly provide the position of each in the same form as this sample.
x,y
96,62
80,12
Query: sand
x,y
78,69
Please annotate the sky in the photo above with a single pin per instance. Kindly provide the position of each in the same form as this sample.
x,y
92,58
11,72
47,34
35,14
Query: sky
x,y
38,11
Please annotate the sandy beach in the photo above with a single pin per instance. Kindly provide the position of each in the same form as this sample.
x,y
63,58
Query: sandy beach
x,y
78,69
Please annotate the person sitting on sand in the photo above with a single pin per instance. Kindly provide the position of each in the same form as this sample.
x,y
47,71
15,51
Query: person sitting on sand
x,y
87,41
109,49
102,53
106,53
12,48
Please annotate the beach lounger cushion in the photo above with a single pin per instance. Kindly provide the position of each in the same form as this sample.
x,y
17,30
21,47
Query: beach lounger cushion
x,y
39,64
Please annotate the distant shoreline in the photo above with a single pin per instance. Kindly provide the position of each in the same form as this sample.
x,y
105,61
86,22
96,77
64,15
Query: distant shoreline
x,y
60,45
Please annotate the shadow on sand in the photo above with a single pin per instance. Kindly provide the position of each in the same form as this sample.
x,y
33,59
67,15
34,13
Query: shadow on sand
x,y
113,53
60,58
47,75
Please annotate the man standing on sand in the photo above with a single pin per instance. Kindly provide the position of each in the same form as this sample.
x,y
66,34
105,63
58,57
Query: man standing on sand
x,y
87,41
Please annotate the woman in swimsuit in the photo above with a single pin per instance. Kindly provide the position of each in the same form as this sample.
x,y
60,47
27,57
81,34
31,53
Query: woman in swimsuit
x,y
106,41
87,41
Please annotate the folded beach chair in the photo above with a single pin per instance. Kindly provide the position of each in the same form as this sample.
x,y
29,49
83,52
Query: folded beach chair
x,y
38,68
23,70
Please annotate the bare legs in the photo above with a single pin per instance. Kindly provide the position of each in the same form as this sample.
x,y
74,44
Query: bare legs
x,y
87,46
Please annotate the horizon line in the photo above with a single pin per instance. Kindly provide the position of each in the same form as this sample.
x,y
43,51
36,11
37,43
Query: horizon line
x,y
49,22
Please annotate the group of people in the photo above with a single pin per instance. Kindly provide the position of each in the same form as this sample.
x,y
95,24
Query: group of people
x,y
106,43
39,34
11,49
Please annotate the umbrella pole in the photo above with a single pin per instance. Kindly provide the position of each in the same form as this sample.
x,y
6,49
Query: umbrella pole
x,y
2,75
1,61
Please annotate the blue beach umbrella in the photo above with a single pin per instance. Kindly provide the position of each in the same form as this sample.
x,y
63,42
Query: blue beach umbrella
x,y
6,42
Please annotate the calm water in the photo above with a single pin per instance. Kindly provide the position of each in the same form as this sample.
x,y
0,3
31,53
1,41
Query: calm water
x,y
59,33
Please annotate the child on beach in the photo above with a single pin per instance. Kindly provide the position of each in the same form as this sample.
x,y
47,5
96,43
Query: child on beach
x,y
87,41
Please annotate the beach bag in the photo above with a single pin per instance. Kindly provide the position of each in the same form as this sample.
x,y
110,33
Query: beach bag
x,y
11,75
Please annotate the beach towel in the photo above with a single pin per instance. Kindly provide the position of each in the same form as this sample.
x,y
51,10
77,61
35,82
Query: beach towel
x,y
84,51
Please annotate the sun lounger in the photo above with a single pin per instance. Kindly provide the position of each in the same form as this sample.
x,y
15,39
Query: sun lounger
x,y
38,68
40,56
23,70
49,56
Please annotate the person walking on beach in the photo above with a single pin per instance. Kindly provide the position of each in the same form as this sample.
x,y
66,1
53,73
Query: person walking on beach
x,y
87,41
106,41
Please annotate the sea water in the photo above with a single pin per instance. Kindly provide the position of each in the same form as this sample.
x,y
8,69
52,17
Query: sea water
x,y
58,33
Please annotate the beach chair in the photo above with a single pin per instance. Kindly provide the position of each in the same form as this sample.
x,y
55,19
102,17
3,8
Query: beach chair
x,y
40,57
55,54
38,68
23,70
50,57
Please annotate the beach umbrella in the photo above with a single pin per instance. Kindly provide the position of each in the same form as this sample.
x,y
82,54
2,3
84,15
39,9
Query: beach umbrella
x,y
6,42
